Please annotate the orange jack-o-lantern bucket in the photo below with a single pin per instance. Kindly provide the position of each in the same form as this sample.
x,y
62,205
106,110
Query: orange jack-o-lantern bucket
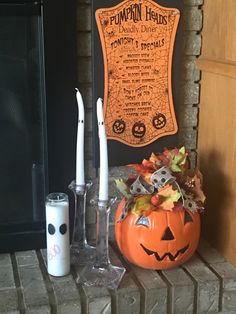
x,y
160,240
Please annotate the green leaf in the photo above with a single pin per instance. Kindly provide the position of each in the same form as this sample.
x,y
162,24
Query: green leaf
x,y
142,205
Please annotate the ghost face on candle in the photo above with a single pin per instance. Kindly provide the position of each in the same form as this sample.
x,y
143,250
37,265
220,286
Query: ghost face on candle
x,y
56,232
58,238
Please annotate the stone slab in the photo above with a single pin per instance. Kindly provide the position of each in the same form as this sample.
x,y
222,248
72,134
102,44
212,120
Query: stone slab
x,y
188,138
5,260
98,300
208,285
192,19
84,71
208,253
66,291
188,116
190,73
193,2
6,278
84,17
127,297
26,258
8,300
192,44
182,290
227,273
190,93
94,299
84,45
69,308
154,290
44,309
34,289
204,284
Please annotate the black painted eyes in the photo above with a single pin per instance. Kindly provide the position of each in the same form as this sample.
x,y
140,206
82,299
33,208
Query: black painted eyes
x,y
63,229
52,229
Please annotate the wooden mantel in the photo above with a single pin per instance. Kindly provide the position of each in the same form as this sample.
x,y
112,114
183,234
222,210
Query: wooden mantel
x,y
220,67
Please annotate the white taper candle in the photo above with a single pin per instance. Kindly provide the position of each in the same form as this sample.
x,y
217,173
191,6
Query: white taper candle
x,y
103,179
80,141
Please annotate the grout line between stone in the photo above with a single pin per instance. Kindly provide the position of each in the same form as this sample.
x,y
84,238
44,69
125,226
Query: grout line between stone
x,y
20,294
220,280
134,277
170,292
84,301
114,301
196,288
48,283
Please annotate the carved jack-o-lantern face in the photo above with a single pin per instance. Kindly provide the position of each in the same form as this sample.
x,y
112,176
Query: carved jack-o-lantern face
x,y
161,240
159,121
138,129
118,126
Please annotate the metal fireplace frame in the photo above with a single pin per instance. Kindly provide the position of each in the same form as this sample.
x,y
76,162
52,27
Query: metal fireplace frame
x,y
58,22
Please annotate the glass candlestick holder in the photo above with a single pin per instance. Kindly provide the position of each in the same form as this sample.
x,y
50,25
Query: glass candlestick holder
x,y
81,252
102,273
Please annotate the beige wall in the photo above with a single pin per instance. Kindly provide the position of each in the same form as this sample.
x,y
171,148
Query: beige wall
x,y
217,124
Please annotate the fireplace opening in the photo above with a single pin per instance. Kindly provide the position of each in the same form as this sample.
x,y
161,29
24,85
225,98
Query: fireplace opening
x,y
27,126
22,118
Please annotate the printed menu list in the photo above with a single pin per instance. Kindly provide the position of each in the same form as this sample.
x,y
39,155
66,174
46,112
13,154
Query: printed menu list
x,y
137,40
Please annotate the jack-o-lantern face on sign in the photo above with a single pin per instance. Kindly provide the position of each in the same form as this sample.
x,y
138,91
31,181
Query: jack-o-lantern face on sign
x,y
118,126
138,129
159,121
161,240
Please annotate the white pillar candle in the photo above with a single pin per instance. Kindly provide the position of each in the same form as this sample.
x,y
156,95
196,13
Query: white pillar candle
x,y
103,178
58,243
80,141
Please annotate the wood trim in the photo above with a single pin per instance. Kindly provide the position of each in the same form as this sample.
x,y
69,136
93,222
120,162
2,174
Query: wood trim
x,y
221,67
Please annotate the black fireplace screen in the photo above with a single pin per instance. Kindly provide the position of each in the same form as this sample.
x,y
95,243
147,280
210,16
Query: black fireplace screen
x,y
37,114
23,168
22,155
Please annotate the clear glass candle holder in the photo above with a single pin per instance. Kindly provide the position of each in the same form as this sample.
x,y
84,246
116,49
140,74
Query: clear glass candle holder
x,y
102,273
81,252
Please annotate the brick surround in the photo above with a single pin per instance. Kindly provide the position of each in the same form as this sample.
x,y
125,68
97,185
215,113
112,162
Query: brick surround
x,y
205,284
190,76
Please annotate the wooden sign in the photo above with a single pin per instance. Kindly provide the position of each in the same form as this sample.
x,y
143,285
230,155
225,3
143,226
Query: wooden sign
x,y
120,152
137,38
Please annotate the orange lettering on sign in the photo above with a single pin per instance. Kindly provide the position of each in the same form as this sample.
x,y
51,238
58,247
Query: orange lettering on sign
x,y
137,38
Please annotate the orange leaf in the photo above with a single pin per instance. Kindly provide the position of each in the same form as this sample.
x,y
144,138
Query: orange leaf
x,y
168,197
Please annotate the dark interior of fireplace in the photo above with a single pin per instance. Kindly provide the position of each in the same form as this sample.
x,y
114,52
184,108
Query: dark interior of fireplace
x,y
37,116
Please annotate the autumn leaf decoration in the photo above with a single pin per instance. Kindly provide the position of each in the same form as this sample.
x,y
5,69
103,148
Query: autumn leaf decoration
x,y
170,195
142,205
177,159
